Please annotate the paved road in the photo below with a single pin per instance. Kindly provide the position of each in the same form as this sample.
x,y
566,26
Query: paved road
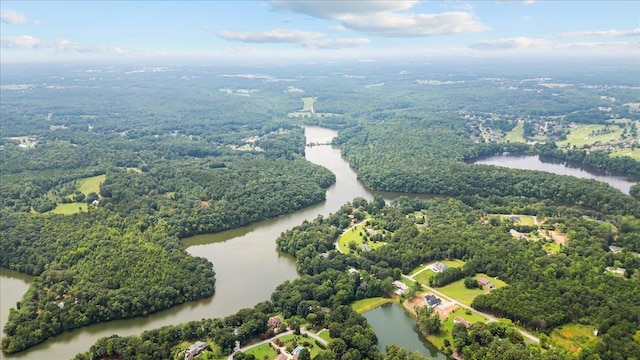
x,y
488,316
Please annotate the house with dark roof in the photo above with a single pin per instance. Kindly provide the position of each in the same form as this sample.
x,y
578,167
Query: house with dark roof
x,y
432,300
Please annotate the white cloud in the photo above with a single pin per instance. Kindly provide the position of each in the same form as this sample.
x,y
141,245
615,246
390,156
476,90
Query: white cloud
x,y
271,36
340,43
511,43
589,45
12,17
22,41
526,18
605,33
383,18
331,9
309,39
61,45
407,25
338,28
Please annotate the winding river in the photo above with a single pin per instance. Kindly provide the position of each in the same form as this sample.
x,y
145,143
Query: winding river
x,y
247,264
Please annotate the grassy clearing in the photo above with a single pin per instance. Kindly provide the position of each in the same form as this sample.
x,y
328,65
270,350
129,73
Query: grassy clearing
x,y
447,325
574,337
364,305
456,290
356,235
68,209
324,334
263,351
134,169
551,247
424,276
91,184
289,339
407,282
524,219
632,153
582,135
308,103
517,134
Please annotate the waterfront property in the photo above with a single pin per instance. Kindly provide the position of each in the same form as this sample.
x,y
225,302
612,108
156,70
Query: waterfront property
x,y
194,350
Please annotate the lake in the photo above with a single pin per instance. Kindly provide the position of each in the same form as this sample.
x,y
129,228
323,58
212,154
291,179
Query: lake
x,y
533,162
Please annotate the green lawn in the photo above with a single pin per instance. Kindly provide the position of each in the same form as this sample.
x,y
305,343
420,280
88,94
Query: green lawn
x,y
68,209
308,103
407,282
574,337
447,325
424,276
551,247
262,352
524,219
517,134
456,290
288,340
325,335
635,153
582,135
364,305
91,184
354,235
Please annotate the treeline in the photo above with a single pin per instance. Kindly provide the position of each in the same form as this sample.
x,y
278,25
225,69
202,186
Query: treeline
x,y
296,300
425,157
98,267
598,159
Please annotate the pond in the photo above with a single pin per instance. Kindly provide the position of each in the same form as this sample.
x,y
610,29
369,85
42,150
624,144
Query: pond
x,y
393,326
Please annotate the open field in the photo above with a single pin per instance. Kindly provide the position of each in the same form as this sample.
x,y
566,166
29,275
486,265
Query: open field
x,y
263,351
551,247
456,290
364,305
574,337
68,209
91,184
353,235
308,103
524,219
325,335
424,276
582,135
517,134
632,153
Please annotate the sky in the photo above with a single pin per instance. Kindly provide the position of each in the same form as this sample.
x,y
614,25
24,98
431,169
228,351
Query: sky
x,y
284,30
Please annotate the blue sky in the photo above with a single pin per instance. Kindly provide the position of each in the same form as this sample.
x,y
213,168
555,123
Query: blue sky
x,y
309,30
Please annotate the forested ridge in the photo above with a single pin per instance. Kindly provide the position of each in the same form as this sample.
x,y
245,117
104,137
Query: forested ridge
x,y
117,254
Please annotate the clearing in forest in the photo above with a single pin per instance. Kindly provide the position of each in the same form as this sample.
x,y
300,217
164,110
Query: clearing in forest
x,y
590,134
632,153
574,337
516,134
354,239
457,290
91,184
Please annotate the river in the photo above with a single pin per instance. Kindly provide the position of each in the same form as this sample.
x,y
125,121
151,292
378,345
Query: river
x,y
247,264
533,162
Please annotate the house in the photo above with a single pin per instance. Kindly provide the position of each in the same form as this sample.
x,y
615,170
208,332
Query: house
x,y
401,287
95,202
274,321
432,300
439,267
514,218
365,247
516,234
459,320
194,350
484,283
